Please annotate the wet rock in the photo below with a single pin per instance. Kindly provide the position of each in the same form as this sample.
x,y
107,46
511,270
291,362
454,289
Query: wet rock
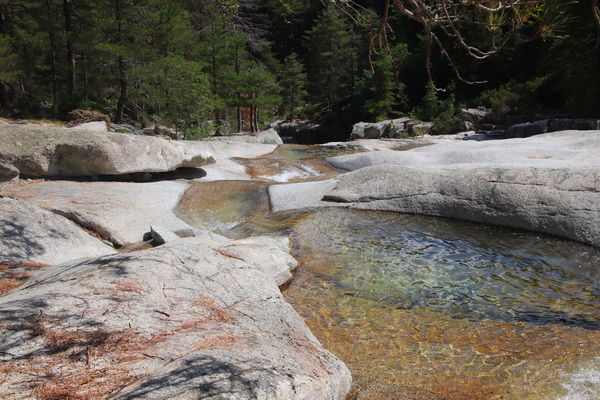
x,y
183,321
50,151
294,196
32,234
225,168
557,201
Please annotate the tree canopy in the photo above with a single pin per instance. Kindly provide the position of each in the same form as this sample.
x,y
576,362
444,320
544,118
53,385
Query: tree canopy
x,y
240,63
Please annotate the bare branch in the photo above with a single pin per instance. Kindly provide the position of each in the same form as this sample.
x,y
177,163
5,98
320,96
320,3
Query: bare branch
x,y
596,13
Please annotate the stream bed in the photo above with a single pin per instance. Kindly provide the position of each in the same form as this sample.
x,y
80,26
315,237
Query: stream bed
x,y
427,308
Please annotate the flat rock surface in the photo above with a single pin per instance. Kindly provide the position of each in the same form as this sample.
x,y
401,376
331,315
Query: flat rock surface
x,y
269,136
225,168
186,320
547,183
120,212
295,196
44,151
30,234
557,149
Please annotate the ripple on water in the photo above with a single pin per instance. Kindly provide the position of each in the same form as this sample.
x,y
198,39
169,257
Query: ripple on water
x,y
429,308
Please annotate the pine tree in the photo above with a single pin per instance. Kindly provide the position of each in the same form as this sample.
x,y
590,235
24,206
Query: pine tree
x,y
292,80
332,56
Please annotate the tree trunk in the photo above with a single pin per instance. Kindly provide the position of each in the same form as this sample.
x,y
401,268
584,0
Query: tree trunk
x,y
122,67
72,87
123,96
240,117
52,58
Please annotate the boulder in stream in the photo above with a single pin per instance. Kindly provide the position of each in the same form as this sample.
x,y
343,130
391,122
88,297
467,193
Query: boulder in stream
x,y
45,151
185,320
547,183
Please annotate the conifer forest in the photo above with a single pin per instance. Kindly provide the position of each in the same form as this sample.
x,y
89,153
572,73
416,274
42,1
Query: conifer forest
x,y
242,63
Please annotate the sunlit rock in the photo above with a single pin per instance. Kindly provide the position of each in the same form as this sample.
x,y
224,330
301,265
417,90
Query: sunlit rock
x,y
184,320
43,151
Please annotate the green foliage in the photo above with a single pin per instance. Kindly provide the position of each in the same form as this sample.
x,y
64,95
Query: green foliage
x,y
176,90
195,133
512,98
185,62
333,51
573,62
292,80
381,90
8,61
444,113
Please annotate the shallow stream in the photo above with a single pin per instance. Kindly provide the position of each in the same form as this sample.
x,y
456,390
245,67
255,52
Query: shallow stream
x,y
428,308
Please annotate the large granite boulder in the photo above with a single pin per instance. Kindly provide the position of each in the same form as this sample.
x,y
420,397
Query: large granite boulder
x,y
269,136
29,234
43,151
185,320
392,128
547,183
559,201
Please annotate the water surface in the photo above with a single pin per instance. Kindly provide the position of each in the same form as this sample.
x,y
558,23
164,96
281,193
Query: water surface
x,y
426,308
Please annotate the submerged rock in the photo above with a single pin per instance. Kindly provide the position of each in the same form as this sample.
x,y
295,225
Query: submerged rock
x,y
185,320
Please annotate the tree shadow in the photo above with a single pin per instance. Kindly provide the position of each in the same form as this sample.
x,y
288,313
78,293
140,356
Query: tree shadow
x,y
20,243
205,376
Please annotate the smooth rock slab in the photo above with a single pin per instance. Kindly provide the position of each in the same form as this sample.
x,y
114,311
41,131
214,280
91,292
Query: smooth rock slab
x,y
293,196
557,150
547,183
50,151
558,201
225,168
29,234
120,212
185,320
